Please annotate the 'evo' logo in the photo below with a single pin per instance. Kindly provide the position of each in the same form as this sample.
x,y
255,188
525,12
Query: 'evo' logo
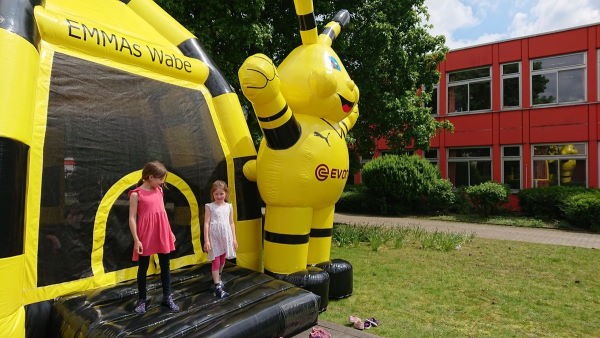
x,y
322,172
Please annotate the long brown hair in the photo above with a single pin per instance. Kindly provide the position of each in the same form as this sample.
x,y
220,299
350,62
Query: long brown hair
x,y
218,184
153,168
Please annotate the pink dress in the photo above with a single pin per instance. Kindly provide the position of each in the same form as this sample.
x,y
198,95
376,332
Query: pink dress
x,y
219,233
153,228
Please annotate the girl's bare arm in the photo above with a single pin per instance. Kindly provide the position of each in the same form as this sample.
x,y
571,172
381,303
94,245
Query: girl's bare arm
x,y
133,204
232,224
206,228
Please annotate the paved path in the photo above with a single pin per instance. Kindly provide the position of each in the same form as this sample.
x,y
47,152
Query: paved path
x,y
503,232
533,235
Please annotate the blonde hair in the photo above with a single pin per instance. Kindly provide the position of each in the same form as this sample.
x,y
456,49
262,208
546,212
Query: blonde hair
x,y
218,184
153,168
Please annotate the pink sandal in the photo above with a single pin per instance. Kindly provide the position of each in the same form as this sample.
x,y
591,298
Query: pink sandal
x,y
319,332
356,322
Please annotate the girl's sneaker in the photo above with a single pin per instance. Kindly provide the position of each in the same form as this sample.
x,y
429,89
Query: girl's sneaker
x,y
168,302
219,292
140,307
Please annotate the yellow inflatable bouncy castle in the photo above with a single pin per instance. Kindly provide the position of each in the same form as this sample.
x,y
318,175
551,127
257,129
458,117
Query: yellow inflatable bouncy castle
x,y
91,90
305,108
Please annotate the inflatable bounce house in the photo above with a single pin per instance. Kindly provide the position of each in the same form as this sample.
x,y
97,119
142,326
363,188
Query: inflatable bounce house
x,y
91,91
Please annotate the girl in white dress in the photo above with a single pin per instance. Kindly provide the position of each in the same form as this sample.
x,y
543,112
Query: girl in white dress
x,y
219,233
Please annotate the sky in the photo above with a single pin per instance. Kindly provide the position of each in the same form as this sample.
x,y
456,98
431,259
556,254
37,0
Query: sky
x,y
472,22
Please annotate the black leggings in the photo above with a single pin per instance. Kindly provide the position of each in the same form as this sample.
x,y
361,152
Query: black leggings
x,y
165,274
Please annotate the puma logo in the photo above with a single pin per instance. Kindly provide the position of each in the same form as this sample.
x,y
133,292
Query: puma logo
x,y
326,138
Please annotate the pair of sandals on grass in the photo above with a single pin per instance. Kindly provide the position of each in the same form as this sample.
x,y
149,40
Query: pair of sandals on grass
x,y
359,324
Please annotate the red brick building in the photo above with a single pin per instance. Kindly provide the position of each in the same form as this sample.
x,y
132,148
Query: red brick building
x,y
525,111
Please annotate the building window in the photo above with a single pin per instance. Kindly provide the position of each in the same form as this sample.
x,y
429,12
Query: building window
x,y
399,152
559,79
511,85
364,158
469,90
511,167
434,101
469,166
432,155
559,164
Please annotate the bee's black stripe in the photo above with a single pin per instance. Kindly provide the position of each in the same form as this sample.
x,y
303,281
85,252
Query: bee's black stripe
x,y
285,238
345,125
283,136
321,232
216,83
17,17
329,32
275,116
307,21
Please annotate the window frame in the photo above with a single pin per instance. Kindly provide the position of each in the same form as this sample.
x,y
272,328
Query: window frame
x,y
435,100
555,71
468,159
468,82
559,158
433,160
512,158
386,152
503,77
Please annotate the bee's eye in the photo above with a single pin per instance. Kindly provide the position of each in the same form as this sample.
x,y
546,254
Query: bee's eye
x,y
334,63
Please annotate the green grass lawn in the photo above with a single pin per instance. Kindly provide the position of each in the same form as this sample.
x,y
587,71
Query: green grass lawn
x,y
486,288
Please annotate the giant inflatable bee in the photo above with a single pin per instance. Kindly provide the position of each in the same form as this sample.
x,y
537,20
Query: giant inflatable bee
x,y
305,108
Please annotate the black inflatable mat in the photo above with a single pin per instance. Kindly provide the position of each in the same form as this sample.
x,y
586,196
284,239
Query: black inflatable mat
x,y
258,306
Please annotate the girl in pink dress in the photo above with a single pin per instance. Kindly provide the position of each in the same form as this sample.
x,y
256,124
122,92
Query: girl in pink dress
x,y
151,232
219,233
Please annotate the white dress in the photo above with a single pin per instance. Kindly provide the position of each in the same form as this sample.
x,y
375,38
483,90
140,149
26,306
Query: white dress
x,y
219,231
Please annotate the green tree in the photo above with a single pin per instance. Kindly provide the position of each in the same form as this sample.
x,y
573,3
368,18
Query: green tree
x,y
386,49
390,55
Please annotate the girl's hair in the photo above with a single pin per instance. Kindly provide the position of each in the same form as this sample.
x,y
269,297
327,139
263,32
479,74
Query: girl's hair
x,y
218,184
154,168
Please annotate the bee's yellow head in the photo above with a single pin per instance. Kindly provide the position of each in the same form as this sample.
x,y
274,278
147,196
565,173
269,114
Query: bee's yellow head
x,y
313,78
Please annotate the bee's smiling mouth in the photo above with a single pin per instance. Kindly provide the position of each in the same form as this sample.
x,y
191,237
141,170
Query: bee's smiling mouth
x,y
346,104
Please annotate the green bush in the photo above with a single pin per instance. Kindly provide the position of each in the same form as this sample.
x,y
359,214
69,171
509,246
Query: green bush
x,y
546,202
441,197
399,183
583,210
461,203
356,201
487,197
354,187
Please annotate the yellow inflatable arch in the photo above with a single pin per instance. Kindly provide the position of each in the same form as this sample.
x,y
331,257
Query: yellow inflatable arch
x,y
91,90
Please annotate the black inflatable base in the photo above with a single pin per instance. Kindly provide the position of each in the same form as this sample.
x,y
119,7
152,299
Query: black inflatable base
x,y
340,278
312,279
258,306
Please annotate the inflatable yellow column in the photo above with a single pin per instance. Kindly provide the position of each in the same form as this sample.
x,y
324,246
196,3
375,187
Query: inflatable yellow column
x,y
18,66
305,108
